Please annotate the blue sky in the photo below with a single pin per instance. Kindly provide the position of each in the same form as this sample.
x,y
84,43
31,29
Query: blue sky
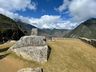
x,y
61,14
45,7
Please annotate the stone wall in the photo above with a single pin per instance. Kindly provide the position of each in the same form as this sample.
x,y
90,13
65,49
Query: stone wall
x,y
89,41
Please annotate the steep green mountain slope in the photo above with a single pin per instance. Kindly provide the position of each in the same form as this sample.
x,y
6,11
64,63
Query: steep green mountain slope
x,y
9,30
7,23
86,29
27,28
53,32
8,27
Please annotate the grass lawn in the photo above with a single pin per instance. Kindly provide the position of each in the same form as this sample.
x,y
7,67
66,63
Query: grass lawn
x,y
68,55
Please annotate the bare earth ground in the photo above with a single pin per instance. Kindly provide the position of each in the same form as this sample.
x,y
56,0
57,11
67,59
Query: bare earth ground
x,y
67,55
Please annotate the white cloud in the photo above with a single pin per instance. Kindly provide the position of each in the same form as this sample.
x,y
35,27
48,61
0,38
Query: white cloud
x,y
13,5
8,13
8,8
45,21
13,15
64,6
49,21
79,9
32,6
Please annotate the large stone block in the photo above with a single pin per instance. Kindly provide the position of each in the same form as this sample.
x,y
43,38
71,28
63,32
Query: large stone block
x,y
31,41
32,48
31,70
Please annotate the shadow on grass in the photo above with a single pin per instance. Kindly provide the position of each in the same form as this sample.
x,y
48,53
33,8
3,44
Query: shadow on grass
x,y
3,56
49,52
41,70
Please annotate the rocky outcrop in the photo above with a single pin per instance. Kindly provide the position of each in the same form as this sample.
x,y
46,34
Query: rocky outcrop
x,y
31,70
93,42
89,41
34,31
32,48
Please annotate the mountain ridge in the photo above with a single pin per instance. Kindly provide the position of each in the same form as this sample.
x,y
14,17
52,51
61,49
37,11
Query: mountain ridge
x,y
7,24
86,29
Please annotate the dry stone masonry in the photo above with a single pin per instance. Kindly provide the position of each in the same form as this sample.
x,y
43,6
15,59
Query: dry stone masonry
x,y
89,41
32,48
31,70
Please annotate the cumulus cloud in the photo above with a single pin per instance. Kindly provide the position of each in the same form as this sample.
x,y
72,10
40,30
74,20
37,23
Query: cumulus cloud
x,y
64,6
45,21
50,21
8,13
13,15
13,5
79,9
8,8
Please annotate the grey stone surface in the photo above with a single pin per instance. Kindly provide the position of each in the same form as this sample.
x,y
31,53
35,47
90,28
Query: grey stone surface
x,y
31,48
31,70
34,31
85,40
89,41
93,42
31,41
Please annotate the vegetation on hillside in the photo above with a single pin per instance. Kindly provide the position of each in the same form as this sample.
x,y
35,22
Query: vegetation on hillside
x,y
86,29
7,23
9,30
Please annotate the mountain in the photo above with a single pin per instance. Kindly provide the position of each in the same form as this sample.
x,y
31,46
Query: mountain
x,y
86,29
27,28
9,29
7,23
14,29
49,33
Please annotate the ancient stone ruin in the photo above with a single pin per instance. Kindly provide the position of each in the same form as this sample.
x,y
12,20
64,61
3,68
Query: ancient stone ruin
x,y
34,31
31,70
32,48
89,41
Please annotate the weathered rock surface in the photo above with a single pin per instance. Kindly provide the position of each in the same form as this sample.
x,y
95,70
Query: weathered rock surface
x,y
31,70
30,41
89,41
31,48
34,31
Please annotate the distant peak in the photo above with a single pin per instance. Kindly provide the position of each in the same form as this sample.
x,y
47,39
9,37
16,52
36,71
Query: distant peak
x,y
2,15
91,19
